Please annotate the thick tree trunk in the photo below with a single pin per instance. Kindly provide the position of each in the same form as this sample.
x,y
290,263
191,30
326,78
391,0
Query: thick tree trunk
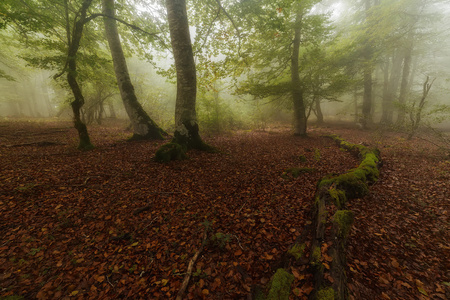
x,y
297,93
186,126
143,126
78,102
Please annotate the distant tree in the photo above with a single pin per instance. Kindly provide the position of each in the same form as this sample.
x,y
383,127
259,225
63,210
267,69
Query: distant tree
x,y
57,28
270,58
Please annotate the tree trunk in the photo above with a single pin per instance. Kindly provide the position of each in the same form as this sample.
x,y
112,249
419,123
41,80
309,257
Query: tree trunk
x,y
367,98
404,86
77,103
297,93
186,126
318,111
143,126
392,87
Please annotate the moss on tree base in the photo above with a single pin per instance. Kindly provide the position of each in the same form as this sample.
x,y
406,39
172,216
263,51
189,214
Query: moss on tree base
x,y
169,152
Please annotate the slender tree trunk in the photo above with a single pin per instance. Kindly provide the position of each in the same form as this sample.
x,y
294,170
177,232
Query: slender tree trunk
x,y
416,114
367,98
368,82
78,102
392,87
186,126
143,126
297,93
404,86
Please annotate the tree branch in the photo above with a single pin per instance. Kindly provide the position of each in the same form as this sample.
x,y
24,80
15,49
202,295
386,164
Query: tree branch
x,y
154,34
234,25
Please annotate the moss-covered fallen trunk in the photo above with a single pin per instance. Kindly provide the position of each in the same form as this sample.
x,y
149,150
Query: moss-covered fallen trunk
x,y
332,190
336,190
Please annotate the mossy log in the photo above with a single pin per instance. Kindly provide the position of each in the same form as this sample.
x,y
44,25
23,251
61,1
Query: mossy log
x,y
342,222
337,190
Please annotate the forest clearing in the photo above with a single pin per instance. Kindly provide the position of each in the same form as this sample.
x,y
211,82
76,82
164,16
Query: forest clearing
x,y
111,223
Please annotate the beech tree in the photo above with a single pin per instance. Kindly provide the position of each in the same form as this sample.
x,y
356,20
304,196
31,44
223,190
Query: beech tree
x,y
271,58
186,135
143,126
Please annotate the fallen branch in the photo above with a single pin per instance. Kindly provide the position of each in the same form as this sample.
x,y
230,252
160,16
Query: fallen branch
x,y
187,277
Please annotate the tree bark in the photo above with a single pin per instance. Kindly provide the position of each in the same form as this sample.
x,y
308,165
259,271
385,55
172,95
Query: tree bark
x,y
186,126
78,102
318,110
392,87
143,126
300,125
368,82
404,86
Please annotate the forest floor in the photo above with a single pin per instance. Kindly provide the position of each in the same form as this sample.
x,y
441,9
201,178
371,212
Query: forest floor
x,y
112,224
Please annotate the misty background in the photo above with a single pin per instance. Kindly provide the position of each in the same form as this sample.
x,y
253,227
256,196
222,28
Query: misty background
x,y
234,88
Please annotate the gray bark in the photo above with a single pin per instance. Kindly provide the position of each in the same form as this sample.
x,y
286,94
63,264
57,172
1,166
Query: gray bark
x,y
143,126
186,126
297,93
404,86
368,82
392,88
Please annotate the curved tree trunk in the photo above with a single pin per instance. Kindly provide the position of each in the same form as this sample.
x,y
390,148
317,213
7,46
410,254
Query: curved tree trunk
x,y
297,93
78,102
318,110
186,126
143,126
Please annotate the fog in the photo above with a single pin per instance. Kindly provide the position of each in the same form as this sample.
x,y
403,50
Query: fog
x,y
229,95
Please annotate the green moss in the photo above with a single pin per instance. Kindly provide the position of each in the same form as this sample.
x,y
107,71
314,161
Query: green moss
x,y
352,183
169,152
297,251
302,158
343,220
280,286
316,255
325,294
338,197
317,155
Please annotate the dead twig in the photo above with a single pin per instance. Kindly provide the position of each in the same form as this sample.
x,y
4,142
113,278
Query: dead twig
x,y
190,266
238,241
